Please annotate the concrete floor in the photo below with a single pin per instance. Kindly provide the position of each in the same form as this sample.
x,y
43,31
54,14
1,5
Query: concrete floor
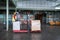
x,y
48,33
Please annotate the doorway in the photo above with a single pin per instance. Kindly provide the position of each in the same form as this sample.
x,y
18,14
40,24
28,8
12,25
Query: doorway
x,y
41,16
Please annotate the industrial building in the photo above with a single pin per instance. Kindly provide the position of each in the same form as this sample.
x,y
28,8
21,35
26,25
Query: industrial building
x,y
39,20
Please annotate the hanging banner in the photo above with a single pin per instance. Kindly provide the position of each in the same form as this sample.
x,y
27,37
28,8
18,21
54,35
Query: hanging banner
x,y
35,25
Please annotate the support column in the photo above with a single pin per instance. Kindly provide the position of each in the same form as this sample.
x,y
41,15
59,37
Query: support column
x,y
7,12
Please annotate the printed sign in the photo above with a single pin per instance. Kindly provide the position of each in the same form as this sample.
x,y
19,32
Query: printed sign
x,y
16,25
35,25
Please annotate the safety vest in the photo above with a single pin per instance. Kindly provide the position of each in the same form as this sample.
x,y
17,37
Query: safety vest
x,y
13,18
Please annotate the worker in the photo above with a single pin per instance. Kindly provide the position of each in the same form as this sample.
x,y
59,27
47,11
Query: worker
x,y
17,16
14,17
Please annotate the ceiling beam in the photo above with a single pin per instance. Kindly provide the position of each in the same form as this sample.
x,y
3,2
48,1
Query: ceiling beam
x,y
10,8
57,5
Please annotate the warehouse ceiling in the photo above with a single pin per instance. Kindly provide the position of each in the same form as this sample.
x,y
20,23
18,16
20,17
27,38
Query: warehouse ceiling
x,y
3,4
37,4
32,4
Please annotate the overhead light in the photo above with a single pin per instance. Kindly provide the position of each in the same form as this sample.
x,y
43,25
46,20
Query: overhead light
x,y
57,7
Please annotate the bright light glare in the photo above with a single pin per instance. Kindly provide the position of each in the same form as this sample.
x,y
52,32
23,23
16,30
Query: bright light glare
x,y
57,8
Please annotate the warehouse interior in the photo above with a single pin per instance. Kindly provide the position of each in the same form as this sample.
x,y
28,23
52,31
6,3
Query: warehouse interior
x,y
47,11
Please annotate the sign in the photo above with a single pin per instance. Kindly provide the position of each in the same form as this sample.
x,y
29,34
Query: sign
x,y
35,25
16,25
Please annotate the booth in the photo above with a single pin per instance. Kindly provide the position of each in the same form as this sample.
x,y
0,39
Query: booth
x,y
17,27
17,23
28,24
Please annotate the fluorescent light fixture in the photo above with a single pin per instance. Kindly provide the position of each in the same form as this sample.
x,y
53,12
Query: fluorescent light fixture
x,y
57,7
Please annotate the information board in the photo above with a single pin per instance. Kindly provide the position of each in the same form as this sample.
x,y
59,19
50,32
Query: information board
x,y
35,25
16,25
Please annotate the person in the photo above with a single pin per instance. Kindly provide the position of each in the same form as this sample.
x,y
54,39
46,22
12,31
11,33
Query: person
x,y
28,21
17,16
14,17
